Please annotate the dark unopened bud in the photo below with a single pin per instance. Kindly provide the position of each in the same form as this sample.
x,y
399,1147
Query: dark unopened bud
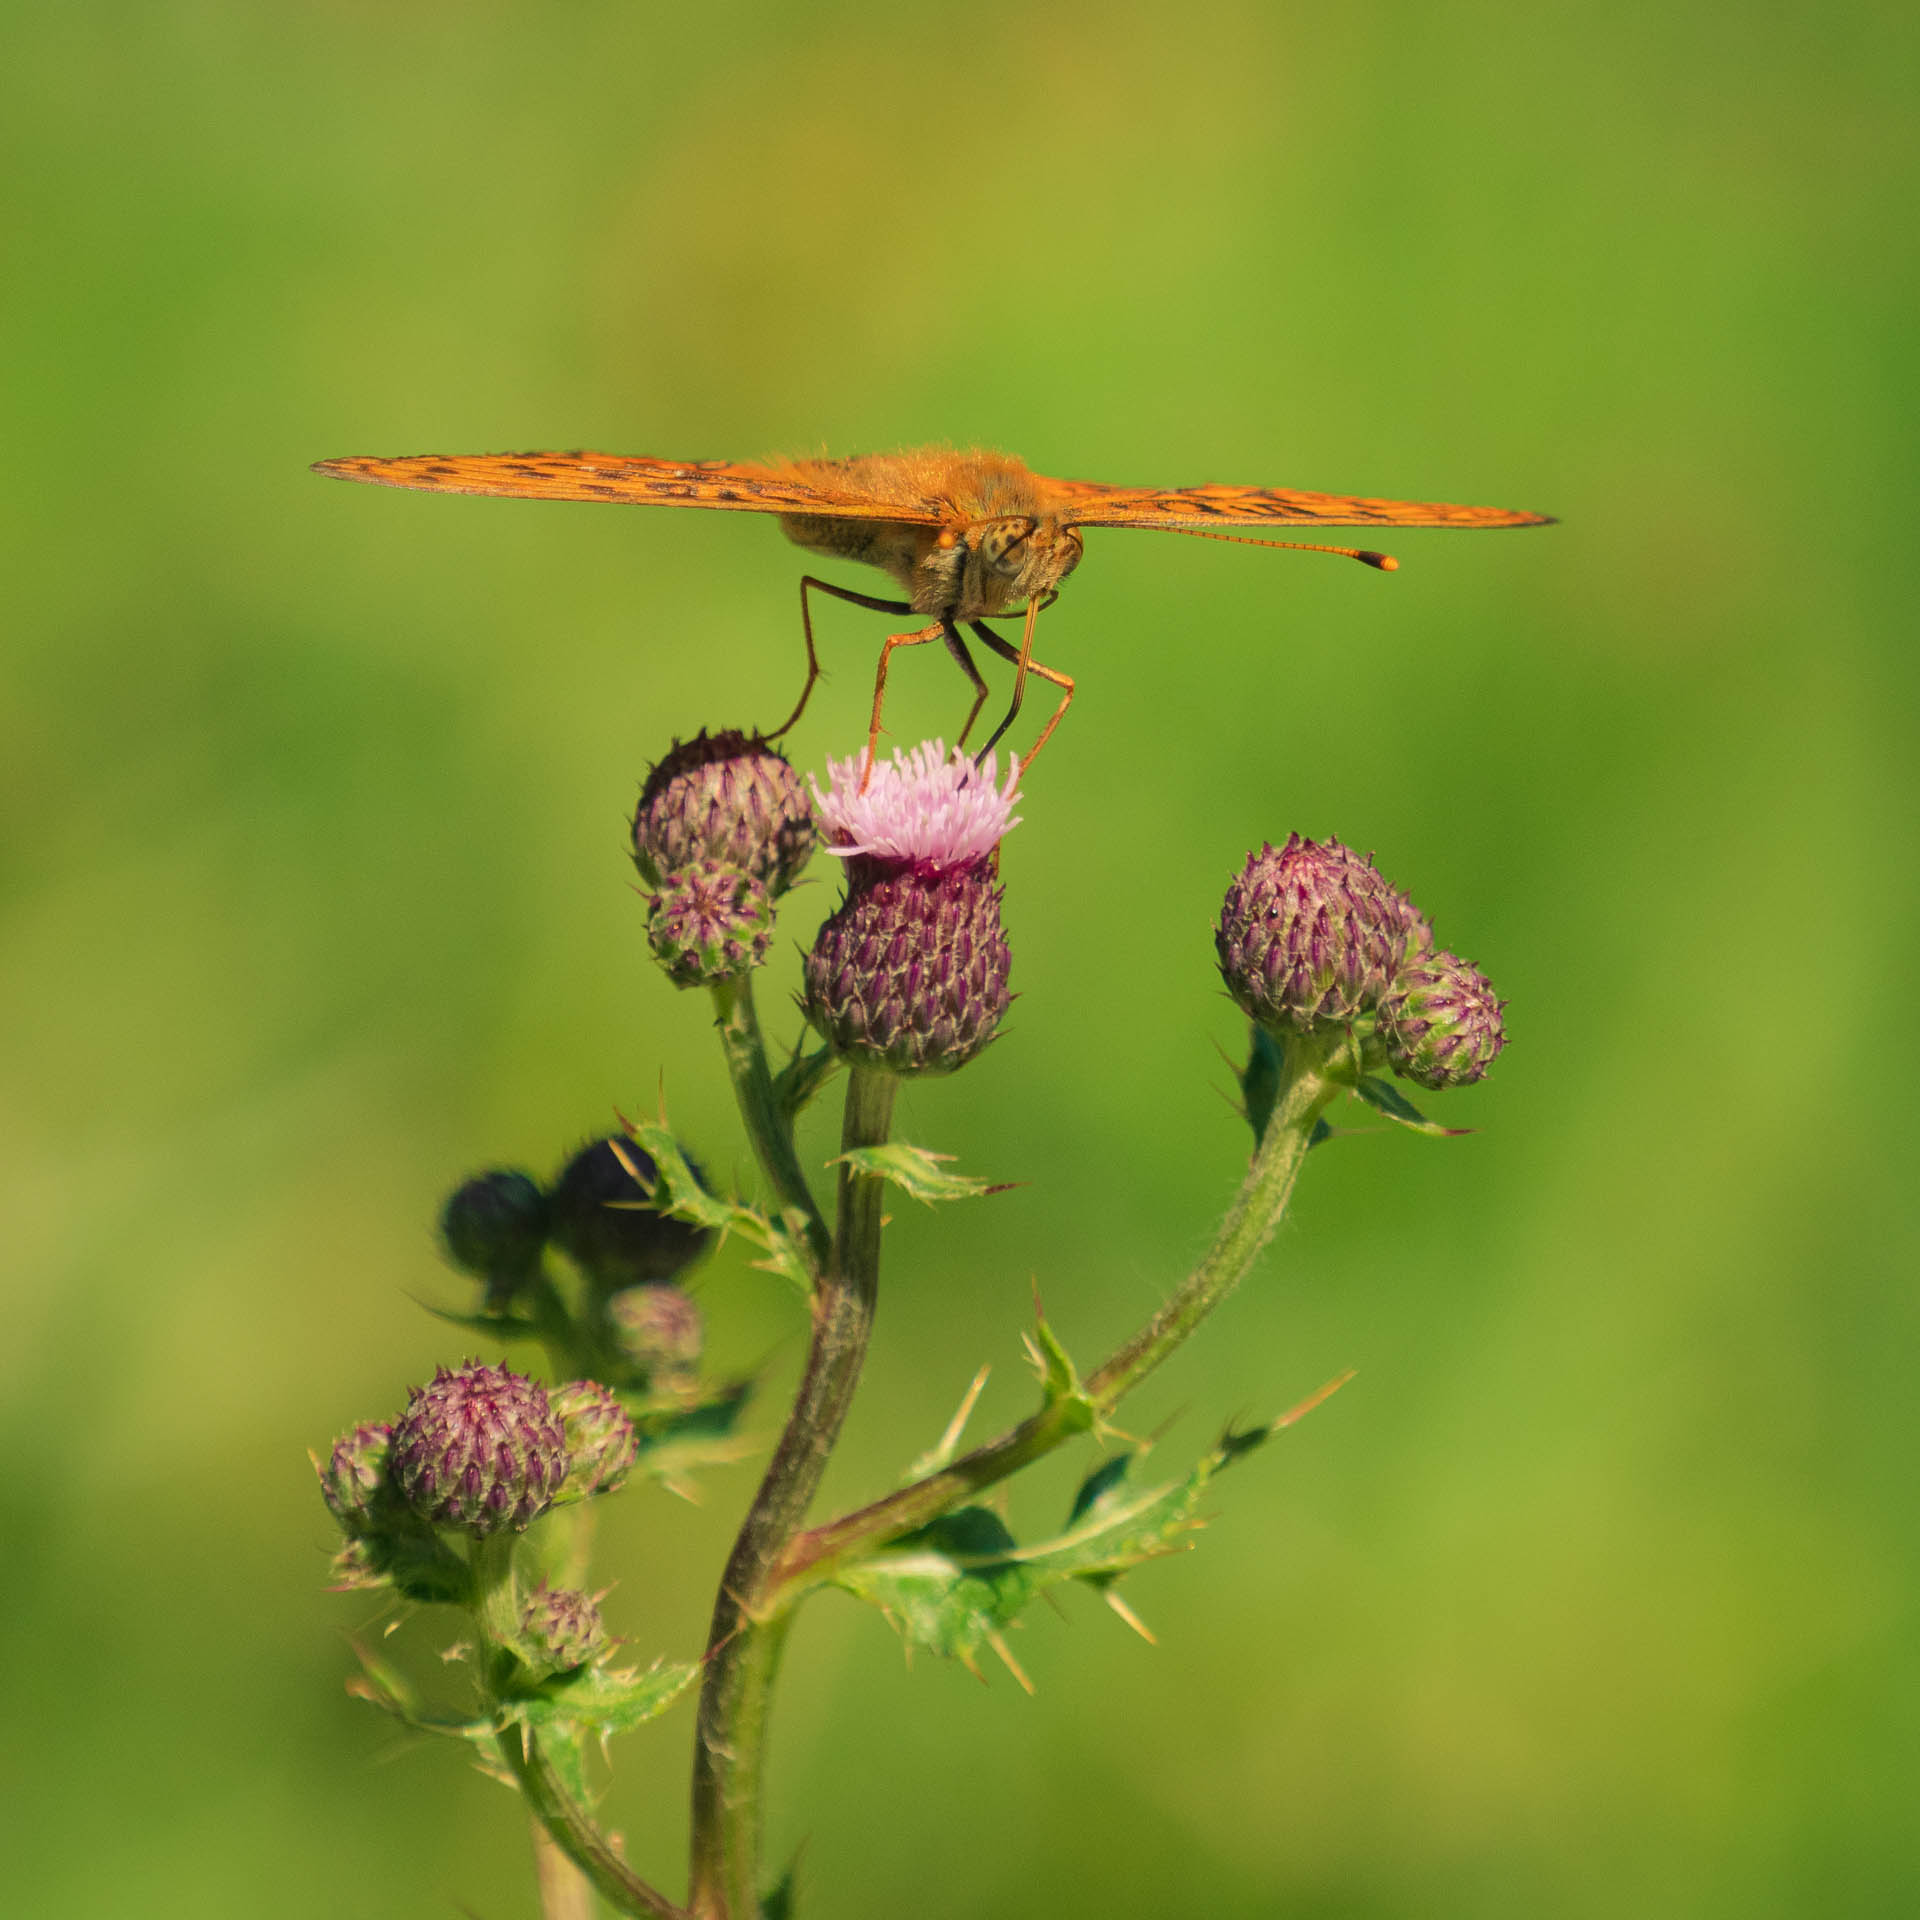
x,y
727,798
709,923
601,1443
1311,933
479,1448
910,975
659,1329
561,1628
606,1223
493,1227
1441,1022
353,1478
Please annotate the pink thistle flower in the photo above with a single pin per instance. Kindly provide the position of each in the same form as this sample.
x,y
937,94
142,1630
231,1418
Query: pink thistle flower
x,y
910,975
925,809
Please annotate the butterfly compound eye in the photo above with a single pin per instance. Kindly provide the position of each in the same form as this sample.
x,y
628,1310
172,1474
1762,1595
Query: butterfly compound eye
x,y
1000,541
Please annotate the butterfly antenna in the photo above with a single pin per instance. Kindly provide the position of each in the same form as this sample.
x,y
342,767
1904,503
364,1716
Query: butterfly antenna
x,y
1365,555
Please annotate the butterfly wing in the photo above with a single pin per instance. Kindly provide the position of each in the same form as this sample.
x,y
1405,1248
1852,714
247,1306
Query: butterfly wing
x,y
628,479
1085,503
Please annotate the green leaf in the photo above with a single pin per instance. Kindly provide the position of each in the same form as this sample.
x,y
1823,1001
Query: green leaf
x,y
496,1326
916,1171
595,1702
1321,1133
1384,1097
954,1586
778,1902
1260,1079
677,1190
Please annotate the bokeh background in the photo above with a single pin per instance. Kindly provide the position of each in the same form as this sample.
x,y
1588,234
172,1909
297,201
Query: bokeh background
x,y
1595,1592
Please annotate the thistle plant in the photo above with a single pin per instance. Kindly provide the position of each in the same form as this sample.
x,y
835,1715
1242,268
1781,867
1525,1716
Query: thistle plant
x,y
477,1495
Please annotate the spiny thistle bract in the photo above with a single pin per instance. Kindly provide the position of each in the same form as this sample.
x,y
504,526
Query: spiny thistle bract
x,y
562,1628
354,1478
910,974
600,1441
479,1448
727,798
1441,1022
607,1224
709,922
1311,933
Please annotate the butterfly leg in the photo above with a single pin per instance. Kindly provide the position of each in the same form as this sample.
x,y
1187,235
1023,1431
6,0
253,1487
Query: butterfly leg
x,y
1008,651
958,648
918,639
806,628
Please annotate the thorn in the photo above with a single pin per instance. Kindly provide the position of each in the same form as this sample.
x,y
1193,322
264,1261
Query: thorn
x,y
1132,1619
999,1645
1314,1399
972,1666
1039,1311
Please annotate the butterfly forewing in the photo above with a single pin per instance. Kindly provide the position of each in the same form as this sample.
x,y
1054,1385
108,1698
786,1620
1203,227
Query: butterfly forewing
x,y
1086,503
730,486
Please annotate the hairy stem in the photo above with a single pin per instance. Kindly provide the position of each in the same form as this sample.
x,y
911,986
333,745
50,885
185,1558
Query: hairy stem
x,y
1305,1090
767,1126
744,1642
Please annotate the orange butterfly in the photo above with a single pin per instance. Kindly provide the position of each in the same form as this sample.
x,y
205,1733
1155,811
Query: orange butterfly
x,y
967,535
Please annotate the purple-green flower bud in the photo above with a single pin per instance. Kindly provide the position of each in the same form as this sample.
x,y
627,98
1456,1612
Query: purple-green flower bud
x,y
910,975
709,923
601,1443
727,798
353,1480
607,1224
561,1628
493,1227
1441,1023
479,1448
659,1328
1311,933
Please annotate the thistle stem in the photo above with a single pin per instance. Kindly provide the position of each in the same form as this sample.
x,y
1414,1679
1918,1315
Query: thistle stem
x,y
1304,1091
745,1640
767,1127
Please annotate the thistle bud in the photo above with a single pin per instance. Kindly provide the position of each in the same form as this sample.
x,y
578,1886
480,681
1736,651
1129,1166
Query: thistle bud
x,y
910,975
708,923
561,1628
728,798
659,1329
1441,1023
493,1227
1311,933
353,1480
601,1444
607,1224
479,1448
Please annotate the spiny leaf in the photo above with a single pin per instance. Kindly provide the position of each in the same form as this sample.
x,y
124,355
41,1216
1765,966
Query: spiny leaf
x,y
1384,1097
597,1701
496,1326
954,1585
916,1171
677,1190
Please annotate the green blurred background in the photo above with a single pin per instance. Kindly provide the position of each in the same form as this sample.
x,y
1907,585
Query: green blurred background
x,y
1595,1593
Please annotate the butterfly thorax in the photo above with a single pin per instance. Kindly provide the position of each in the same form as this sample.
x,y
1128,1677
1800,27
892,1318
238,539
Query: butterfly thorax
x,y
967,573
989,540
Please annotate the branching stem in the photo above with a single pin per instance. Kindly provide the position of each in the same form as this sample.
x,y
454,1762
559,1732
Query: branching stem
x,y
744,1642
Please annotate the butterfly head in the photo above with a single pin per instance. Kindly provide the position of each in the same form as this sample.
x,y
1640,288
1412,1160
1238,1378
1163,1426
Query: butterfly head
x,y
1020,558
